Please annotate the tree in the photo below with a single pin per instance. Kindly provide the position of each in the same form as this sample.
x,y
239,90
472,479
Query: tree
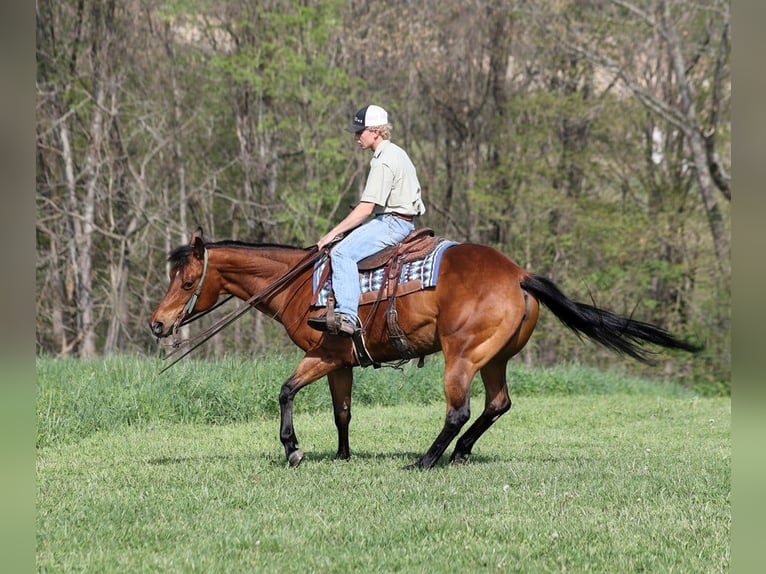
x,y
90,82
700,61
589,141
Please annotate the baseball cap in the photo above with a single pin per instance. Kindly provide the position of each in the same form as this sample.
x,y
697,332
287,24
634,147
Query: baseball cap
x,y
368,117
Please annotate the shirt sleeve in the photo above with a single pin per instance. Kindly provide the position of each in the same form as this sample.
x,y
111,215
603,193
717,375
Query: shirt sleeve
x,y
380,182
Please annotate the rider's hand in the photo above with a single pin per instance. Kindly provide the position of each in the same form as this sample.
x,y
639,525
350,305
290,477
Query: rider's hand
x,y
326,240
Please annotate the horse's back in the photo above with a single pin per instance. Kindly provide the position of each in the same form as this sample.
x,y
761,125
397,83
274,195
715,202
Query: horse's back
x,y
479,264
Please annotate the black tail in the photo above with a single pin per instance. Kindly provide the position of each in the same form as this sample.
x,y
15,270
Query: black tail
x,y
618,333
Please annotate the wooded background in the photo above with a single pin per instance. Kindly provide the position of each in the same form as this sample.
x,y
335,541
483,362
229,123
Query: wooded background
x,y
588,140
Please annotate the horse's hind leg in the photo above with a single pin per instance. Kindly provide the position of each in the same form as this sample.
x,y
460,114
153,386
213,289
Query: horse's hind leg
x,y
497,402
457,384
340,388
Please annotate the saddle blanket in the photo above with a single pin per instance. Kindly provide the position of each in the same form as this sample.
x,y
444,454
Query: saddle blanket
x,y
415,275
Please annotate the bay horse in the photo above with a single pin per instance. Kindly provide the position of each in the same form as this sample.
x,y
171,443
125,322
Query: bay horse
x,y
481,313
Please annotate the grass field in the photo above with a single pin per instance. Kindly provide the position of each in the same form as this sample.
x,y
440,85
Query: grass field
x,y
589,472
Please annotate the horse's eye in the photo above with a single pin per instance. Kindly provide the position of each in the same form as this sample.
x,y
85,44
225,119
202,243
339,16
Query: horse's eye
x,y
188,285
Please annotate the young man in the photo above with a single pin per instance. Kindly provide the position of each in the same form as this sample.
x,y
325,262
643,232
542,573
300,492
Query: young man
x,y
383,216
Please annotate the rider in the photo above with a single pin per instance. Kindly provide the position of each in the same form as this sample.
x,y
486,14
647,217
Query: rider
x,y
391,196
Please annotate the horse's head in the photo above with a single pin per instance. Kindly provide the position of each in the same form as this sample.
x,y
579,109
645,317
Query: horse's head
x,y
191,290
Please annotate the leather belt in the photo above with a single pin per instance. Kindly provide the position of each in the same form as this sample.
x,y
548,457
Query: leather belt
x,y
402,216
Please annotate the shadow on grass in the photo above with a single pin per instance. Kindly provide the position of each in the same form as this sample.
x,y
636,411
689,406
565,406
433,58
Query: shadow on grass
x,y
321,456
405,457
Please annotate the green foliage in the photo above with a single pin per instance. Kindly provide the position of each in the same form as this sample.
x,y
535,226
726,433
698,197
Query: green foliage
x,y
77,398
570,380
520,141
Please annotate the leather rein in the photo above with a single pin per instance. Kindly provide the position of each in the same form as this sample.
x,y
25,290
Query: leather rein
x,y
184,317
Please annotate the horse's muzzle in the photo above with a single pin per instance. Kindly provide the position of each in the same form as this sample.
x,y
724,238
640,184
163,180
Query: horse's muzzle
x,y
157,328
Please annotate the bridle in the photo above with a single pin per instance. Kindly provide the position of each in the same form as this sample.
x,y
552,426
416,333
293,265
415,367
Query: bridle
x,y
184,316
187,310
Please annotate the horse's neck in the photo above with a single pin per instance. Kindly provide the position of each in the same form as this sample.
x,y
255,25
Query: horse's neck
x,y
245,271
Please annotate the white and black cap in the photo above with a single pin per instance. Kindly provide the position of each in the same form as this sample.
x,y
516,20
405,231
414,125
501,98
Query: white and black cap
x,y
368,117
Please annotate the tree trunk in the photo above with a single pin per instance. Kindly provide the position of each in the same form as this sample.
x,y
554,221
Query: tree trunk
x,y
177,146
696,141
102,20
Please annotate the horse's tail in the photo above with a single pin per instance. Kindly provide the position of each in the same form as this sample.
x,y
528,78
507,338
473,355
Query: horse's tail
x,y
618,333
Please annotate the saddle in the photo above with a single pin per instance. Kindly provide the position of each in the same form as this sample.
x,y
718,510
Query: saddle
x,y
417,245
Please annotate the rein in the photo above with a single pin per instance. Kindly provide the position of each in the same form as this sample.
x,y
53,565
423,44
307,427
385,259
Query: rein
x,y
226,320
201,314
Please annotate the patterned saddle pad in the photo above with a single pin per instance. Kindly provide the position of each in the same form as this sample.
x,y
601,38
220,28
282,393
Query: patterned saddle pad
x,y
415,275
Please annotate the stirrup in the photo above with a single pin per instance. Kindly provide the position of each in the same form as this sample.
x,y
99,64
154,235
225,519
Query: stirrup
x,y
361,353
341,325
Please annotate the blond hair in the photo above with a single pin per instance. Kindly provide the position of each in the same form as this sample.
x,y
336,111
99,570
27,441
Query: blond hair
x,y
384,131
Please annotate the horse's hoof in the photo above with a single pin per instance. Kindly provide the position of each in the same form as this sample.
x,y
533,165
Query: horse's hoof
x,y
458,459
295,458
413,466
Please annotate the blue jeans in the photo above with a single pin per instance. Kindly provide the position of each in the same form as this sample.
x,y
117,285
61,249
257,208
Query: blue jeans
x,y
370,237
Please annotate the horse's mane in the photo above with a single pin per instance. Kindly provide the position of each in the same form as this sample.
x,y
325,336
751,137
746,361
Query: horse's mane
x,y
180,254
247,245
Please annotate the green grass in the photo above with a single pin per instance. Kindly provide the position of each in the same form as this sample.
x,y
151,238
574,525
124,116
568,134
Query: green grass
x,y
77,398
629,478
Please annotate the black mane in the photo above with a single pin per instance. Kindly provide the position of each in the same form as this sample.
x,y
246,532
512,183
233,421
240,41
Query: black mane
x,y
247,245
179,255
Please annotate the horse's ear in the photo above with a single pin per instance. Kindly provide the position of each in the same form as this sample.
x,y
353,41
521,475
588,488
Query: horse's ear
x,y
199,248
197,234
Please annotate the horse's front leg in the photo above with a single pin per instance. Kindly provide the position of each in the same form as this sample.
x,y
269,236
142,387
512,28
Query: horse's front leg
x,y
340,389
308,370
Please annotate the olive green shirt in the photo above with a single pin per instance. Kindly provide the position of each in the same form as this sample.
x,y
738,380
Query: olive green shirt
x,y
392,184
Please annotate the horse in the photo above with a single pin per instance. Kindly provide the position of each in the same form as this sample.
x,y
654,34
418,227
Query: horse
x,y
481,312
